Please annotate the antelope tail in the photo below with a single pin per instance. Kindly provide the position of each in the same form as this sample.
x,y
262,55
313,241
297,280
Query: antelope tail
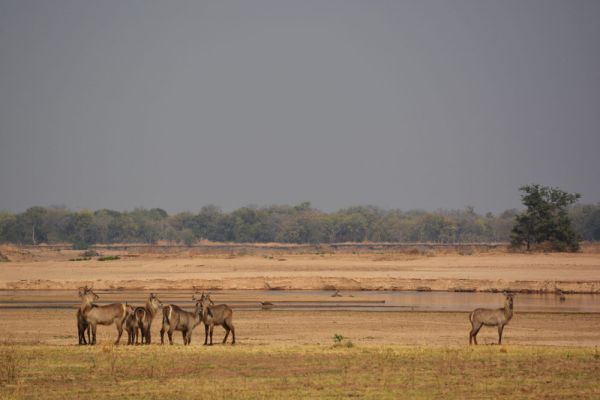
x,y
140,314
167,314
471,316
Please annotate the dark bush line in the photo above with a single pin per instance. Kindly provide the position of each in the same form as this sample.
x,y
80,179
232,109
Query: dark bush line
x,y
288,224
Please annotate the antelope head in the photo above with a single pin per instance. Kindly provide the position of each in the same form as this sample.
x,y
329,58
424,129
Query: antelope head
x,y
508,302
195,297
155,301
89,296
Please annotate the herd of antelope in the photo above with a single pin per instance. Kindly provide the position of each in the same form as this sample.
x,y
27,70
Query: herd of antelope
x,y
138,321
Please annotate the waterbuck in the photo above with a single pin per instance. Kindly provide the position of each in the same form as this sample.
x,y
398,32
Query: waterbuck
x,y
144,317
131,326
177,319
82,325
491,317
82,328
220,314
95,315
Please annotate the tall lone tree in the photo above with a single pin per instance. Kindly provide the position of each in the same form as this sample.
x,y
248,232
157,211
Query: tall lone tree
x,y
546,220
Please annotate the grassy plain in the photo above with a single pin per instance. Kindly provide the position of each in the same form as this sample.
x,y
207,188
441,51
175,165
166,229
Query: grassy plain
x,y
291,354
308,371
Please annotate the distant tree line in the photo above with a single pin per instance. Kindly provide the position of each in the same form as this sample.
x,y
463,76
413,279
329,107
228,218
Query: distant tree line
x,y
291,224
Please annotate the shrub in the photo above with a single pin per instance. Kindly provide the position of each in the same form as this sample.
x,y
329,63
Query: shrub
x,y
90,253
340,340
109,258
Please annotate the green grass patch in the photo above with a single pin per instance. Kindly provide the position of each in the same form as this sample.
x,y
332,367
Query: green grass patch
x,y
109,258
80,259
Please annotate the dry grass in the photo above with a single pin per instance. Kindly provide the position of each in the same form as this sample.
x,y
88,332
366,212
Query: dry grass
x,y
281,372
11,364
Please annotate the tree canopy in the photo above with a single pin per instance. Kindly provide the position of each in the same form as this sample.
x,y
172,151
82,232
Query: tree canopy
x,y
545,220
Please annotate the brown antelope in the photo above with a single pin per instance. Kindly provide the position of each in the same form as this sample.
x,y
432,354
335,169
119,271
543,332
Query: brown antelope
x,y
131,326
82,328
220,314
144,317
491,317
177,319
82,325
95,315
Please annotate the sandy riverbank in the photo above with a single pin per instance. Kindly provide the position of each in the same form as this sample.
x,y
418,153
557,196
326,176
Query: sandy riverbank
x,y
269,269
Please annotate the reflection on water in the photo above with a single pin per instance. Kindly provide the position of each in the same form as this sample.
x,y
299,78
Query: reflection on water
x,y
442,301
322,300
460,301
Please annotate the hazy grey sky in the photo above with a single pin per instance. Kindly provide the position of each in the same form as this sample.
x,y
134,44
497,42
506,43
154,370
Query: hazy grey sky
x,y
401,104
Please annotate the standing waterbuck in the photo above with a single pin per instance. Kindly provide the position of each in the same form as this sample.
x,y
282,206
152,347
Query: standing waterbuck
x,y
95,315
491,317
131,327
144,317
177,319
220,314
82,325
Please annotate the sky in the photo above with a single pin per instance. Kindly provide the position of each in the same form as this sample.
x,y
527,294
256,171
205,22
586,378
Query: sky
x,y
400,104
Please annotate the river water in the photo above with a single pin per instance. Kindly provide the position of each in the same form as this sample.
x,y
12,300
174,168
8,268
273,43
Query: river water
x,y
321,300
